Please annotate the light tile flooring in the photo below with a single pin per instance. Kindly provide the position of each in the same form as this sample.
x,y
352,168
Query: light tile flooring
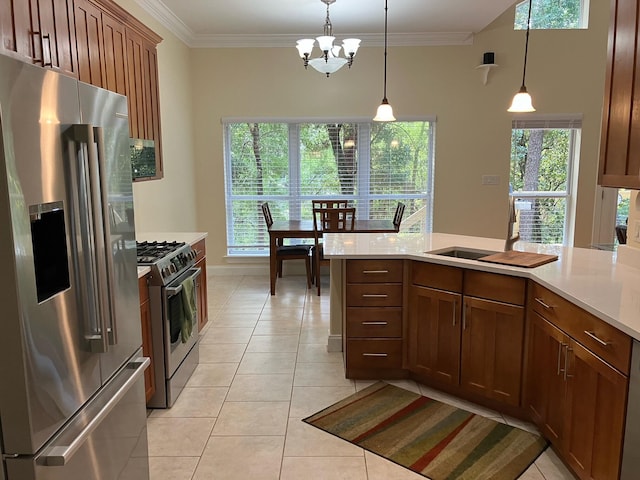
x,y
264,367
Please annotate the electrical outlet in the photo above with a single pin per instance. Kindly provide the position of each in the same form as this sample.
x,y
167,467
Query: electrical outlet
x,y
490,179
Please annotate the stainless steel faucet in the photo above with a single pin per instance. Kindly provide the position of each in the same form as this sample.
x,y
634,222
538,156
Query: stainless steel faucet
x,y
511,238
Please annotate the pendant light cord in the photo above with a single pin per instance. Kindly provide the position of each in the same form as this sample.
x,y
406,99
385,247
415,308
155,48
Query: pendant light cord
x,y
385,51
526,43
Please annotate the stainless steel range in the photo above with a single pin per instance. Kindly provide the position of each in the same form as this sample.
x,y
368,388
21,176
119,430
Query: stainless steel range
x,y
174,316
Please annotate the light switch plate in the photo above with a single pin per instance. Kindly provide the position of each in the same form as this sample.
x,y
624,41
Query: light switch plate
x,y
490,179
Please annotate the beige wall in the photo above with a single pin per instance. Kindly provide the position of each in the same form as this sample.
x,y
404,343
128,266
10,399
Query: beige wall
x,y
169,204
565,75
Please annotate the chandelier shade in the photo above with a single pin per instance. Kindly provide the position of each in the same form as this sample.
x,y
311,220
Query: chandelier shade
x,y
330,61
522,102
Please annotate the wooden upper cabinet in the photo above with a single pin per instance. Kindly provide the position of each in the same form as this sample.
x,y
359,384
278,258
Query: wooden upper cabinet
x,y
40,32
15,28
53,33
620,139
90,43
115,54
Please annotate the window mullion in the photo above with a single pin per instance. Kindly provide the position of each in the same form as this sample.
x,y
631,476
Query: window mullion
x,y
363,187
294,171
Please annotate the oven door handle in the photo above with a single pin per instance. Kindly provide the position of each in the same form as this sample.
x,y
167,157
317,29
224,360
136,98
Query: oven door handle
x,y
171,291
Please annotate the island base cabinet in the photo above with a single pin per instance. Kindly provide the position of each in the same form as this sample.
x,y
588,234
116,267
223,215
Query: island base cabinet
x,y
577,400
492,348
433,348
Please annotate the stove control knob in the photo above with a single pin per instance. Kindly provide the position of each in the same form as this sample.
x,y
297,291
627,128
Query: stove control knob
x,y
164,272
173,268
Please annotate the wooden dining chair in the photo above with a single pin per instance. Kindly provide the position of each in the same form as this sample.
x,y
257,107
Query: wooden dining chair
x,y
327,220
289,252
397,218
329,203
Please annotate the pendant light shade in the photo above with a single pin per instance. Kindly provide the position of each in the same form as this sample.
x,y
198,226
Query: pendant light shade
x,y
522,100
385,112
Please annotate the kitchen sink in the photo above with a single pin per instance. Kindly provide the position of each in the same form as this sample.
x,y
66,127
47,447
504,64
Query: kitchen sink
x,y
462,252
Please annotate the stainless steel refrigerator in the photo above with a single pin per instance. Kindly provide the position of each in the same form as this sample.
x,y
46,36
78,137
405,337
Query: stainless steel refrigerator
x,y
72,402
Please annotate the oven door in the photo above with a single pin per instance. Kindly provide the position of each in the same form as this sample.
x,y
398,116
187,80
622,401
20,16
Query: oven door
x,y
180,312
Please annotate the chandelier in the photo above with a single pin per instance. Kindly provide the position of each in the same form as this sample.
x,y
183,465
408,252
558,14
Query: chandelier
x,y
330,61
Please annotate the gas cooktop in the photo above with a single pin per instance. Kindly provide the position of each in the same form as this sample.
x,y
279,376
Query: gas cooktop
x,y
168,260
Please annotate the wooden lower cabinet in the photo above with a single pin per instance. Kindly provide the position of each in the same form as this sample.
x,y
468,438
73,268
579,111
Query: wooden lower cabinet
x,y
492,349
434,328
201,283
147,346
577,400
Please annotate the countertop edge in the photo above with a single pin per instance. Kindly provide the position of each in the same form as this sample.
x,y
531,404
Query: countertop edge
x,y
565,284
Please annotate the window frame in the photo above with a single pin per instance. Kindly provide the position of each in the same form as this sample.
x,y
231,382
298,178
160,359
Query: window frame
x,y
295,197
572,122
583,20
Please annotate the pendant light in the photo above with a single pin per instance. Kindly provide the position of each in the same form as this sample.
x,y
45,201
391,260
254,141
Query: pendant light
x,y
385,112
522,100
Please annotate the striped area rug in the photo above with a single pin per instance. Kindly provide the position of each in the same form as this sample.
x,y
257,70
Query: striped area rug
x,y
432,438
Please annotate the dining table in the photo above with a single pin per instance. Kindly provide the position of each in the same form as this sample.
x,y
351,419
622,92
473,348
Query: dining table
x,y
282,229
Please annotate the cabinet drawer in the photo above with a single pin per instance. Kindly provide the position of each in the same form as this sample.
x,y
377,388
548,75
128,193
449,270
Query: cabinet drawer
x,y
200,248
494,286
442,277
374,322
374,295
604,340
143,289
374,353
374,271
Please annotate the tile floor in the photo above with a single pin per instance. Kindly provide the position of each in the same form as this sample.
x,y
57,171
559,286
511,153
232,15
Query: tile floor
x,y
264,367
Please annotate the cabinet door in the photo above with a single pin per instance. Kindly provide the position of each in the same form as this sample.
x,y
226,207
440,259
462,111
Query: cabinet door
x,y
546,388
434,333
203,314
15,28
595,414
620,142
53,28
90,43
492,349
115,55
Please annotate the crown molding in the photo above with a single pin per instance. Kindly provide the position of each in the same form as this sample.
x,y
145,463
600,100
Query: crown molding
x,y
159,11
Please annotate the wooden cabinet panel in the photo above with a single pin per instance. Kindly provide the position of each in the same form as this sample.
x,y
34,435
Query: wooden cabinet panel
x,y
15,28
115,55
374,295
577,400
545,388
620,139
53,30
374,271
493,286
434,328
90,43
433,275
147,345
374,353
374,322
609,343
203,309
595,415
492,349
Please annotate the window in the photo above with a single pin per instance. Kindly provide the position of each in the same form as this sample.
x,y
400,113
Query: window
x,y
553,14
542,155
373,165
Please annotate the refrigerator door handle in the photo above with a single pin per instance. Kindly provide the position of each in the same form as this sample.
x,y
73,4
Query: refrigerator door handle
x,y
83,178
60,455
112,329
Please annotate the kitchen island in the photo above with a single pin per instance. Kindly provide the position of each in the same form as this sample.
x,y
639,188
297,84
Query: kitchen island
x,y
557,345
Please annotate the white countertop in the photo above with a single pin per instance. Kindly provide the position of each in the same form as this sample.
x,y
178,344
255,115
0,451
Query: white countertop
x,y
142,271
588,278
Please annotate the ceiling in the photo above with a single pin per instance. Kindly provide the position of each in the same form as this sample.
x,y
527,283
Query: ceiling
x,y
240,23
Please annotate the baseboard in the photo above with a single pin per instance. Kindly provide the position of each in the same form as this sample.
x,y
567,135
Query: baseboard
x,y
334,343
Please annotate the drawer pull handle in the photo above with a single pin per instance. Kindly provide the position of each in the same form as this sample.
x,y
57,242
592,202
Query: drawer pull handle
x,y
375,323
548,307
374,295
370,272
595,337
375,355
